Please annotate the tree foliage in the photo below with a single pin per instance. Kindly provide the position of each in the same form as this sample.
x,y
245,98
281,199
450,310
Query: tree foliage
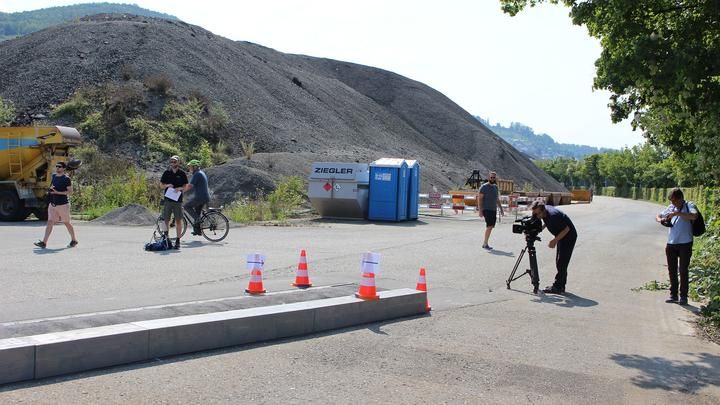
x,y
7,112
643,165
660,61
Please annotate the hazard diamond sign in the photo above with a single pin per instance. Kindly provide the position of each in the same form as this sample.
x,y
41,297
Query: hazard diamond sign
x,y
327,186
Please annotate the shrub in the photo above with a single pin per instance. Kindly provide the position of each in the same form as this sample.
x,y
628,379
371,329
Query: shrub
x,y
248,149
7,112
287,196
93,127
248,210
158,83
128,72
77,107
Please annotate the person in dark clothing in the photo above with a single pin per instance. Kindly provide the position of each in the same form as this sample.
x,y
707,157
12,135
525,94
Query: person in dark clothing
x,y
173,182
59,205
560,225
200,193
678,216
488,203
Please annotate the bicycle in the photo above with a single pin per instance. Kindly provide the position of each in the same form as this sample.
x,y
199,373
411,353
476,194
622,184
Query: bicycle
x,y
214,225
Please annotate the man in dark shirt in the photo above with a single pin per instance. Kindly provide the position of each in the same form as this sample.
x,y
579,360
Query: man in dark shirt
x,y
488,203
173,182
59,205
200,193
565,234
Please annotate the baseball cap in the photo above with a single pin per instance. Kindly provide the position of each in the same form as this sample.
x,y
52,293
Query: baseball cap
x,y
175,157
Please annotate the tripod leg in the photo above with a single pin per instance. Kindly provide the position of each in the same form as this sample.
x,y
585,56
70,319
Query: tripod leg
x,y
517,264
534,275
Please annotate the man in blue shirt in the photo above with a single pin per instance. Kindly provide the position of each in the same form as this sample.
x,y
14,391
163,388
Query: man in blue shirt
x,y
565,234
200,193
678,216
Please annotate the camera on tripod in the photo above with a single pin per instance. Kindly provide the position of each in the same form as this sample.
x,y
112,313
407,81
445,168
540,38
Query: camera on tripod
x,y
531,226
528,225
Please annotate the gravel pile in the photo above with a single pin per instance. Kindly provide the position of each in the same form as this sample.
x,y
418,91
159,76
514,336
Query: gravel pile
x,y
297,109
132,214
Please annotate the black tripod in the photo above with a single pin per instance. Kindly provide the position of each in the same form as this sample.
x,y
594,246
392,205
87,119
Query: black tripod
x,y
533,270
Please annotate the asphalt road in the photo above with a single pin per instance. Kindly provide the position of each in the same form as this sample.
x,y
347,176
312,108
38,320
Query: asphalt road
x,y
482,343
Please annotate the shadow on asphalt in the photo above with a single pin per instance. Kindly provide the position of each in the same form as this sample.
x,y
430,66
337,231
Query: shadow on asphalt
x,y
688,376
501,253
567,300
375,327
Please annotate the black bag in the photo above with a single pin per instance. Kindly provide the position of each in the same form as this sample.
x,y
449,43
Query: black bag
x,y
158,246
698,225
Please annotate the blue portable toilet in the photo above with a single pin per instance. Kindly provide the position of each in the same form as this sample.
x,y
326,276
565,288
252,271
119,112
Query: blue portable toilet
x,y
413,189
388,196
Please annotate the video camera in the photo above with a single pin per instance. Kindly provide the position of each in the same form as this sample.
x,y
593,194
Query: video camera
x,y
528,225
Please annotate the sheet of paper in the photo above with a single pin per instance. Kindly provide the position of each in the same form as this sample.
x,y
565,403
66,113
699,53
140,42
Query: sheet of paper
x,y
172,194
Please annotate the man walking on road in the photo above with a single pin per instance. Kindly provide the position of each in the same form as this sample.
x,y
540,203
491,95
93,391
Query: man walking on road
x,y
200,193
488,203
678,216
565,234
59,205
173,182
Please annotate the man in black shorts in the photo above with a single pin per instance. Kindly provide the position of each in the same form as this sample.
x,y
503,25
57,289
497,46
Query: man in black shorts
x,y
176,179
488,203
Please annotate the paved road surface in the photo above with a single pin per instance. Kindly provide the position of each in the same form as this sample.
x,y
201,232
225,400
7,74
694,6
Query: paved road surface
x,y
482,343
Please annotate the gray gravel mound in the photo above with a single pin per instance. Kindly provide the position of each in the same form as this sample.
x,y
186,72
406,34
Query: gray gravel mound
x,y
130,215
315,109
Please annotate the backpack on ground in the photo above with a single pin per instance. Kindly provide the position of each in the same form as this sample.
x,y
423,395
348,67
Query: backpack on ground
x,y
160,245
698,225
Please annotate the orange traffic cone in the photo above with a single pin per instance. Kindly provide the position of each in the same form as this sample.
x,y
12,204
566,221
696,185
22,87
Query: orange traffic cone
x,y
301,277
367,289
255,286
422,286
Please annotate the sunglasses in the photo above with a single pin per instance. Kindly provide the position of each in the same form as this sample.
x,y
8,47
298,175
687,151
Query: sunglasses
x,y
173,161
59,167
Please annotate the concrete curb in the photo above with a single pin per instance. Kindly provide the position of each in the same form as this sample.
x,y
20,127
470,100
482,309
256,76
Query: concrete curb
x,y
54,354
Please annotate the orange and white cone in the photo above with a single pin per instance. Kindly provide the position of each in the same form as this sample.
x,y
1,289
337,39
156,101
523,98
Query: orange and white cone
x,y
370,265
255,263
302,280
422,286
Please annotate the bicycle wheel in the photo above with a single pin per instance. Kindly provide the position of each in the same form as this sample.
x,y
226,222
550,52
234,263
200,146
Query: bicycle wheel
x,y
160,225
214,226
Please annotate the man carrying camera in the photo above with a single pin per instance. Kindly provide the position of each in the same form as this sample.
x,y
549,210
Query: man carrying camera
x,y
560,225
678,216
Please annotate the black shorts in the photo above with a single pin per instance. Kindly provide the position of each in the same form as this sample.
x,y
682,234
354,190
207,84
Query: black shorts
x,y
490,217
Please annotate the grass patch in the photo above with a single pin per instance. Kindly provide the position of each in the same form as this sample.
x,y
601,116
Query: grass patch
x,y
653,285
288,196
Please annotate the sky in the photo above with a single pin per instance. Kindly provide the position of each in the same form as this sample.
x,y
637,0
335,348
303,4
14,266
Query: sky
x,y
536,68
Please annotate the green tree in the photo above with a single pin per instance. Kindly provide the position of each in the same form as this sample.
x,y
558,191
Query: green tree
x,y
659,61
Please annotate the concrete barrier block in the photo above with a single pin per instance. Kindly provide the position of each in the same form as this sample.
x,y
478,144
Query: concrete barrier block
x,y
349,311
87,349
211,331
17,360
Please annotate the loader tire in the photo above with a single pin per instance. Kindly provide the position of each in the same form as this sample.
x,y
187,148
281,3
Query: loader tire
x,y
11,208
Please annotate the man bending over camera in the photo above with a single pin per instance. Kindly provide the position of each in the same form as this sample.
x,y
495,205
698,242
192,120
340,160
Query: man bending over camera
x,y
565,234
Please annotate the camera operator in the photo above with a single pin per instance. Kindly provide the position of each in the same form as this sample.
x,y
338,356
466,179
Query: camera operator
x,y
678,216
560,225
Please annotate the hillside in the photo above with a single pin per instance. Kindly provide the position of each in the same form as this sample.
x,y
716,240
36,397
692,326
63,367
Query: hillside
x,y
17,24
296,109
539,146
